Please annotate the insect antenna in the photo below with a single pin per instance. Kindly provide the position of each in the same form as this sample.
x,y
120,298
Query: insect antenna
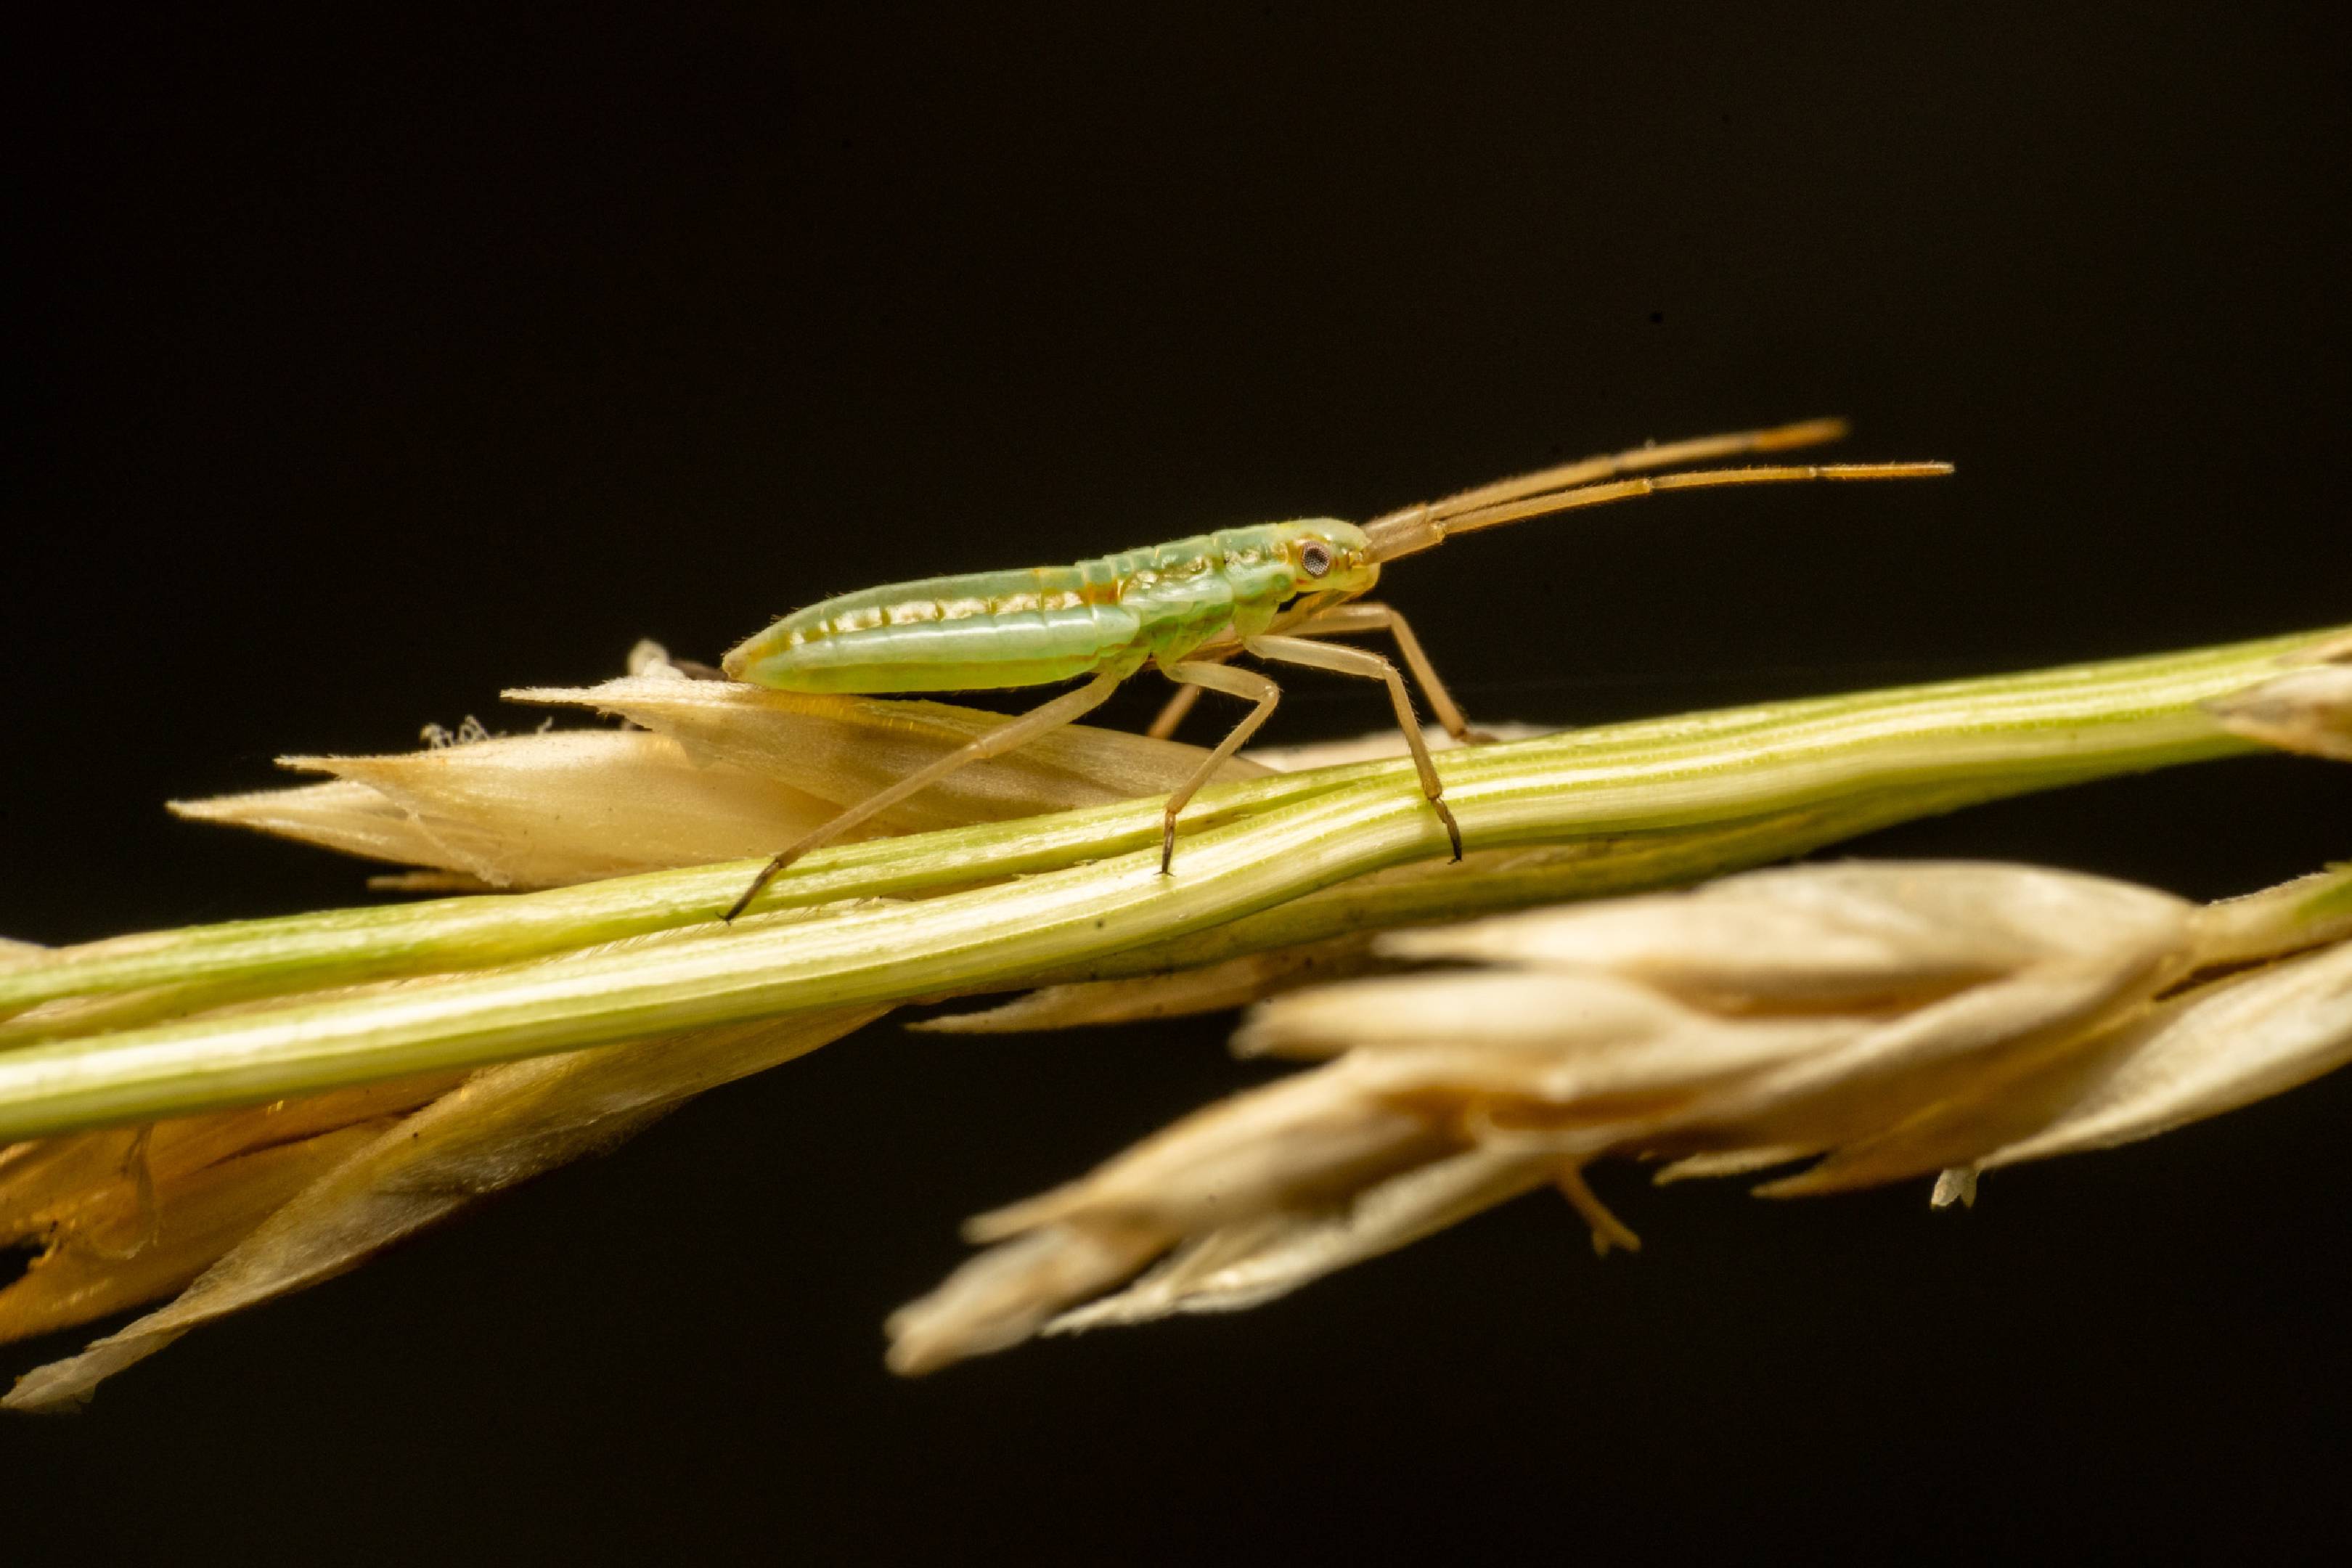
x,y
1593,481
1640,459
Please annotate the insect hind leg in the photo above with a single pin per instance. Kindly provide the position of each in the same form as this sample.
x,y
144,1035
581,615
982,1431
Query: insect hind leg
x,y
1009,736
1172,714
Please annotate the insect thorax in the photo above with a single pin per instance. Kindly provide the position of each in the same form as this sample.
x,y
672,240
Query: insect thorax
x,y
1235,581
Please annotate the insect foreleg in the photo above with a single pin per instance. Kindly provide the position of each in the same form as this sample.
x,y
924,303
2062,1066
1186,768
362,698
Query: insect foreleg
x,y
1197,675
1009,736
1361,617
1217,650
1356,661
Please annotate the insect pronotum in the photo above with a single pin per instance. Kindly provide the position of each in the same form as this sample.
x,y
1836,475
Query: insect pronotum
x,y
1271,590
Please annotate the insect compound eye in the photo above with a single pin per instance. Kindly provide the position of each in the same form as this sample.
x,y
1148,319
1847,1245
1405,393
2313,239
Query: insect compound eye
x,y
1315,558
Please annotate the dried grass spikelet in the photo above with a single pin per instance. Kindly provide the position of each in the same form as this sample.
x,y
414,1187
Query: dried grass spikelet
x,y
531,811
377,1181
842,748
242,1207
1886,1020
124,1216
713,771
1390,1157
2306,710
2214,1048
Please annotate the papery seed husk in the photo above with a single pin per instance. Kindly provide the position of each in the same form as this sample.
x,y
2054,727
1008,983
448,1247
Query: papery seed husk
x,y
577,806
93,1178
349,817
1553,1038
843,748
2308,710
2009,1088
1300,1142
505,1124
1836,935
1280,1185
1007,1293
2222,1046
1501,1008
1737,1031
2306,912
1854,1092
1733,1163
104,1268
1234,1268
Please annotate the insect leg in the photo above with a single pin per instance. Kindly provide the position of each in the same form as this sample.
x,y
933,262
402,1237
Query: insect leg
x,y
1005,737
1356,661
1197,675
1376,618
1306,609
1172,714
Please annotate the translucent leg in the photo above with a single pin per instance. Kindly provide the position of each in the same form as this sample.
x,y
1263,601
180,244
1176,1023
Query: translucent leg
x,y
1008,736
1195,674
1356,661
1376,617
1172,714
1297,612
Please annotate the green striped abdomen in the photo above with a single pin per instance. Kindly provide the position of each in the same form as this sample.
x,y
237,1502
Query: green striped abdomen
x,y
1041,625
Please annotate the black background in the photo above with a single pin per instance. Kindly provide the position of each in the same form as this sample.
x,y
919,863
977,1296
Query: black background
x,y
364,366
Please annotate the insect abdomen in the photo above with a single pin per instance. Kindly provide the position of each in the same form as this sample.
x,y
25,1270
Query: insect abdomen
x,y
982,630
